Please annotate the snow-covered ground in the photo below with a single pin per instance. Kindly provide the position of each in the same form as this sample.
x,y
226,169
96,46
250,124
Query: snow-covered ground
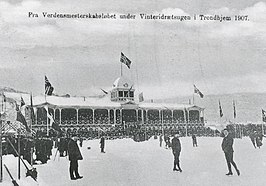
x,y
130,163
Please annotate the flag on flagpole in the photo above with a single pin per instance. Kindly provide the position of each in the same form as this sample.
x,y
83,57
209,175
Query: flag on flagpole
x,y
141,97
32,115
129,90
51,121
234,107
104,91
220,109
48,87
22,120
22,102
263,115
125,60
197,91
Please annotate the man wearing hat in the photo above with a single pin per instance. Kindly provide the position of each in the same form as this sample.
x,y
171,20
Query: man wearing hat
x,y
176,149
74,155
227,146
102,142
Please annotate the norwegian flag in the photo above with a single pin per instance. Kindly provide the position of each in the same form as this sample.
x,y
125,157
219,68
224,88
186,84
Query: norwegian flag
x,y
48,87
125,60
197,91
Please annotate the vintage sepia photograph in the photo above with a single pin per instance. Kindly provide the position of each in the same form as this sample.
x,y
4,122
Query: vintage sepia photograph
x,y
132,93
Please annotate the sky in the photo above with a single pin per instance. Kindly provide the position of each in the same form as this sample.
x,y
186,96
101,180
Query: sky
x,y
81,56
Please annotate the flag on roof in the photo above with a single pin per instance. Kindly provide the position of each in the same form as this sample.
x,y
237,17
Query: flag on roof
x,y
48,87
197,91
125,60
104,91
263,115
22,102
141,97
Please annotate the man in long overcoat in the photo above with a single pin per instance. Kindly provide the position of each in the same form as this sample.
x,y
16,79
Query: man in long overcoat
x,y
176,149
102,142
74,155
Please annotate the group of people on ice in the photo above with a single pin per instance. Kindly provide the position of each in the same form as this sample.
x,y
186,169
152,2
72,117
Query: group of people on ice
x,y
256,138
75,155
227,148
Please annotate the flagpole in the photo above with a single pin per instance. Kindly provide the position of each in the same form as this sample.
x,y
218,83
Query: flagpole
x,y
2,102
162,122
262,128
31,122
121,69
47,112
19,152
1,153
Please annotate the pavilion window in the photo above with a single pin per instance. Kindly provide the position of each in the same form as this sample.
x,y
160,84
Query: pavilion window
x,y
194,116
178,116
139,115
101,116
111,116
125,93
131,94
129,115
144,116
57,116
69,116
85,116
42,116
153,115
120,93
118,116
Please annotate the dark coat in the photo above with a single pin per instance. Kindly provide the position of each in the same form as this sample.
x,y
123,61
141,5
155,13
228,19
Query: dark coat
x,y
102,142
227,144
176,145
73,151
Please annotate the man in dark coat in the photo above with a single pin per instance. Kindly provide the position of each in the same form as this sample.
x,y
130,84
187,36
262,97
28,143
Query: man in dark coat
x,y
161,140
102,142
74,155
176,149
227,146
194,140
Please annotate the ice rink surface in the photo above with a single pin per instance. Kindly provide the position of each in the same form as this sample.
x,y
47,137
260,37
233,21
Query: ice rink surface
x,y
145,163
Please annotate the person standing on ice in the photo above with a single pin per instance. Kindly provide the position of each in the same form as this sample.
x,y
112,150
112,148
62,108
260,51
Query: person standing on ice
x,y
227,147
102,142
74,155
194,140
176,149
161,140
